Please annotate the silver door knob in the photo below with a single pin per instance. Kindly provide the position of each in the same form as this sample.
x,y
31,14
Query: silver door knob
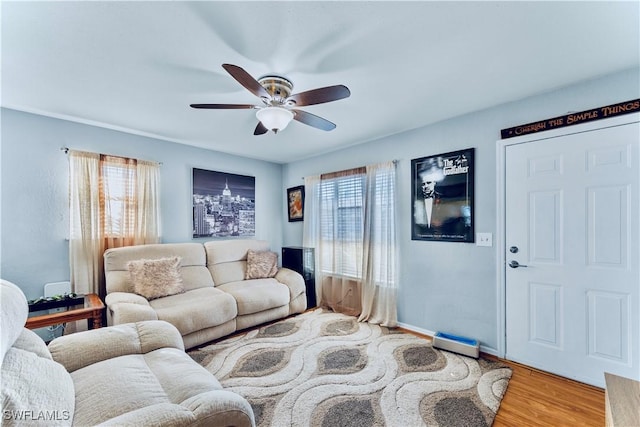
x,y
515,264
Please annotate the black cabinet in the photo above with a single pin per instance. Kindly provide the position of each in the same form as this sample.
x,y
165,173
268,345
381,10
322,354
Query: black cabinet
x,y
302,260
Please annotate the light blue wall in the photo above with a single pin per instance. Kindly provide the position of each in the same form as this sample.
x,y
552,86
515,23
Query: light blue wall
x,y
34,198
445,286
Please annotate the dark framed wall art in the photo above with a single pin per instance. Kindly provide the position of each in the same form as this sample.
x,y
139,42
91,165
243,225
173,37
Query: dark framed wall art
x,y
223,204
442,197
295,203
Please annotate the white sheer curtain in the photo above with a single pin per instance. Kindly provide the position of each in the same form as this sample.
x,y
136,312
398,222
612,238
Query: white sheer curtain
x,y
350,221
311,225
114,202
332,210
340,245
147,229
379,281
85,240
328,221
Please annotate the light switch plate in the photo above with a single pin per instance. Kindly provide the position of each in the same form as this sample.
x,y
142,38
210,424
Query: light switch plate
x,y
484,239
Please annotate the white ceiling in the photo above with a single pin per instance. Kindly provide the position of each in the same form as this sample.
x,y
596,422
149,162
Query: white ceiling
x,y
136,66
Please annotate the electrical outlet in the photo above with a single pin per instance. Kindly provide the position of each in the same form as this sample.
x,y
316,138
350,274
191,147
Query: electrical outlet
x,y
484,239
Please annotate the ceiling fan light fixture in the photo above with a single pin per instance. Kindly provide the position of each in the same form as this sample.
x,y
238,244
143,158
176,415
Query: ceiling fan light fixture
x,y
279,105
274,118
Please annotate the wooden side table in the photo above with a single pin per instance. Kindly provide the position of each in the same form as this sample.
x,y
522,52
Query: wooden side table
x,y
90,310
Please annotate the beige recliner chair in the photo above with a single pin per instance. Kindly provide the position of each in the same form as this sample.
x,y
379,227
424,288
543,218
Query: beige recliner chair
x,y
130,374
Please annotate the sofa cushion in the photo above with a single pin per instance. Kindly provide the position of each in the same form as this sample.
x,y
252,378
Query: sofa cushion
x,y
256,295
150,378
34,386
81,349
193,266
221,251
155,278
196,309
13,315
261,264
228,272
227,259
29,341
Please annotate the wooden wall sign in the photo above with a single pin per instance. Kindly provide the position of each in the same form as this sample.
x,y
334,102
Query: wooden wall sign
x,y
573,119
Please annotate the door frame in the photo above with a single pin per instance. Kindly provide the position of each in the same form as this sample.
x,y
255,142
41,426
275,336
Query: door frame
x,y
501,244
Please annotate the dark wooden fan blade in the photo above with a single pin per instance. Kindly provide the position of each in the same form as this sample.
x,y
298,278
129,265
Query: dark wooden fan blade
x,y
313,120
224,106
260,129
246,80
320,96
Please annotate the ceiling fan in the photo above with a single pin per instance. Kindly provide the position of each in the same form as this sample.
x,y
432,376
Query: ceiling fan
x,y
278,103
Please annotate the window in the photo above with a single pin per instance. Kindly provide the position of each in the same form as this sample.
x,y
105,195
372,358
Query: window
x,y
350,220
118,197
113,202
342,224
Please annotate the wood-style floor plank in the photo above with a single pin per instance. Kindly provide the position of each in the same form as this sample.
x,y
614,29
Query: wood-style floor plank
x,y
535,398
539,399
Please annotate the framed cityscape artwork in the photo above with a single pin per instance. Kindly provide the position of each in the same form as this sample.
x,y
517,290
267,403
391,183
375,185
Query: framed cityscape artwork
x,y
295,203
223,204
442,197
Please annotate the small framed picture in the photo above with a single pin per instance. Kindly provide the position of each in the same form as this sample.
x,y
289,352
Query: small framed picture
x,y
295,201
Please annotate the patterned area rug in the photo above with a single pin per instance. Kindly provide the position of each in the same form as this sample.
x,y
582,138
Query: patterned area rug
x,y
326,369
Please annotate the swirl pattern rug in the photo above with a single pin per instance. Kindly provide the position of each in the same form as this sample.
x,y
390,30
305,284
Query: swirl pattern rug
x,y
326,369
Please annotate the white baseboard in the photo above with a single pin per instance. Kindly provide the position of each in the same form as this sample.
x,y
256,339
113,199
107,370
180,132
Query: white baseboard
x,y
412,328
489,350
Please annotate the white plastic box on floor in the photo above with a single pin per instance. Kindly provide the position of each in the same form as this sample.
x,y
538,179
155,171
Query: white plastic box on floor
x,y
457,344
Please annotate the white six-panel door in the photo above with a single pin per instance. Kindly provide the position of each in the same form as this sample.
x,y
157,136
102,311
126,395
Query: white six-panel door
x,y
571,221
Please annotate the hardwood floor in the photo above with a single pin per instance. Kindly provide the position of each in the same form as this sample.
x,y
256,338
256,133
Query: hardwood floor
x,y
536,398
539,399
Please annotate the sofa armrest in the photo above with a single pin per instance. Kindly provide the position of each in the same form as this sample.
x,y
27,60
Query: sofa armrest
x,y
215,408
221,408
118,297
293,280
82,349
128,308
152,415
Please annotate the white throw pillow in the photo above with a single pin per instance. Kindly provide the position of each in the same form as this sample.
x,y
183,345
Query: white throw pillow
x,y
261,264
155,278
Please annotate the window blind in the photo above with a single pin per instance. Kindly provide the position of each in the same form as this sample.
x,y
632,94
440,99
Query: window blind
x,y
342,222
118,196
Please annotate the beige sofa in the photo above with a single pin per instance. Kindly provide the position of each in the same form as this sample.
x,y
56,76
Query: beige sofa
x,y
217,300
133,374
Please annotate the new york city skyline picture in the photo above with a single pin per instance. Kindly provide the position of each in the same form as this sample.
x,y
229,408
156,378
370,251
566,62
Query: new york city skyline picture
x,y
223,204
